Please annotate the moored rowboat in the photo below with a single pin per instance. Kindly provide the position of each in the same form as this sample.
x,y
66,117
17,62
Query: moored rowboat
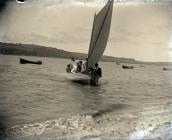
x,y
24,61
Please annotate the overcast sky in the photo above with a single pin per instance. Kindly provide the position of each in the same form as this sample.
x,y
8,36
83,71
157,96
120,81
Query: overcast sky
x,y
140,31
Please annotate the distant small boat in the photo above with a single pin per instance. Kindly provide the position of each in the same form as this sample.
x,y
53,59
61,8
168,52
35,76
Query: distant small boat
x,y
167,68
24,61
127,67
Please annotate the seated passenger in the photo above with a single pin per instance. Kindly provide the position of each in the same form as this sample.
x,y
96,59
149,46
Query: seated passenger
x,y
73,66
79,66
74,69
85,65
68,69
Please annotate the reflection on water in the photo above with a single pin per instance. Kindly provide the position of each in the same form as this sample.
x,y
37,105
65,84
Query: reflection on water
x,y
42,99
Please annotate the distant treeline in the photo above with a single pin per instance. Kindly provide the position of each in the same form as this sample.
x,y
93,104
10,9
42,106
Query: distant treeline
x,y
42,51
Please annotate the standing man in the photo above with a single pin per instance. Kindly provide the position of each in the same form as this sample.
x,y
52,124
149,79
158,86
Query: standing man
x,y
98,71
96,74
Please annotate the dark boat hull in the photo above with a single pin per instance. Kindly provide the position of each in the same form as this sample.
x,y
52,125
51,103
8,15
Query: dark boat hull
x,y
127,67
167,68
24,61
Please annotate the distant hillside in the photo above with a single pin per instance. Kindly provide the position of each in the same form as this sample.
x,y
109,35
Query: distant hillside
x,y
42,51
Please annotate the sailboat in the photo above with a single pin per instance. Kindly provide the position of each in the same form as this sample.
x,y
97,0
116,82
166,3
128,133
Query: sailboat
x,y
100,34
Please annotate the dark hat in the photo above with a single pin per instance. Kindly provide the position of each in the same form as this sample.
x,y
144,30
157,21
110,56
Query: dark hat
x,y
96,64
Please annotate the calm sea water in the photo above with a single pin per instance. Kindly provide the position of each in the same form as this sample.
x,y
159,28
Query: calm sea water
x,y
43,101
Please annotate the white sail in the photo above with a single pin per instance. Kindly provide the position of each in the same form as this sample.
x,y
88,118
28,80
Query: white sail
x,y
100,34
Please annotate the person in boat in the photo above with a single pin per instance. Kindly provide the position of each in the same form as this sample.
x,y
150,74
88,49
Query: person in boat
x,y
68,69
85,65
79,67
98,71
73,65
95,74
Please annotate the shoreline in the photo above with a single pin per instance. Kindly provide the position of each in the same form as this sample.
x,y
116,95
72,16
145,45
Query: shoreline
x,y
114,61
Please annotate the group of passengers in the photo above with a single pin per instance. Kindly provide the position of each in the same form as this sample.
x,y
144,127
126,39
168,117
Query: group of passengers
x,y
76,67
